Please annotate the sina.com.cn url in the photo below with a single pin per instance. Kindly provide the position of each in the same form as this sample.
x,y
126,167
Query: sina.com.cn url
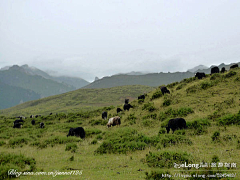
x,y
15,173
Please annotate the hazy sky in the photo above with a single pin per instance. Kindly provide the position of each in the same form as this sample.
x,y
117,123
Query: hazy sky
x,y
104,37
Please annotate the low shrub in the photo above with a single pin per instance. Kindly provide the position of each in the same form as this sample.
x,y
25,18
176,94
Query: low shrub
x,y
229,119
131,119
71,147
98,122
14,162
2,143
149,106
180,86
199,126
159,174
140,101
156,95
173,139
122,141
18,141
167,102
216,136
166,159
230,74
192,89
150,116
90,132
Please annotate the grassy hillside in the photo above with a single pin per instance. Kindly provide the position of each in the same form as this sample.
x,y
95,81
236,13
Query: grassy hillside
x,y
10,95
78,100
140,147
153,80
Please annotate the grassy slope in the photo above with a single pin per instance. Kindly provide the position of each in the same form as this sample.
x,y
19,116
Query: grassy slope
x,y
210,98
81,99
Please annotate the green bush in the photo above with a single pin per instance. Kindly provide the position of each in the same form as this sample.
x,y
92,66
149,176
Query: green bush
x,y
162,131
149,106
122,141
230,74
173,139
90,132
2,143
172,84
206,85
98,122
229,119
180,86
140,101
159,174
18,141
199,126
150,116
167,102
197,123
166,159
216,136
215,76
215,159
71,147
131,119
192,89
94,141
156,95
15,162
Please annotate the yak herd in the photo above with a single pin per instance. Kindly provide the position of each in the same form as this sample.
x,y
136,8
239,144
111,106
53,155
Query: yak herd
x,y
174,124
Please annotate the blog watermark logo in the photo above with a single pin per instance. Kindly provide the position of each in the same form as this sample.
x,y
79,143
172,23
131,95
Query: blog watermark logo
x,y
15,173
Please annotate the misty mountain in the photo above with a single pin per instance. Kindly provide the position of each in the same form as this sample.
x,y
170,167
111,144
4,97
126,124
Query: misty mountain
x,y
72,81
23,83
197,68
152,79
11,96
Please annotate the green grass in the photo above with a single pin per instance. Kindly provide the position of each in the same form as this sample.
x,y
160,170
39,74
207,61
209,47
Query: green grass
x,y
139,148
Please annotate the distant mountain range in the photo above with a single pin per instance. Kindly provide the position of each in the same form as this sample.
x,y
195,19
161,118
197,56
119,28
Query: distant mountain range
x,y
23,83
19,84
150,79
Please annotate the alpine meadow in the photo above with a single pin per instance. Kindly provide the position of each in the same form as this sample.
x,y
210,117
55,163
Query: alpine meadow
x,y
139,148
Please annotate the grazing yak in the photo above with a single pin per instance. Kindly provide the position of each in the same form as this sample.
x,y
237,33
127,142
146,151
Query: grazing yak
x,y
42,125
114,121
18,121
223,70
234,66
141,97
127,107
200,75
214,70
104,115
174,124
164,90
126,101
33,122
17,125
79,131
119,110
